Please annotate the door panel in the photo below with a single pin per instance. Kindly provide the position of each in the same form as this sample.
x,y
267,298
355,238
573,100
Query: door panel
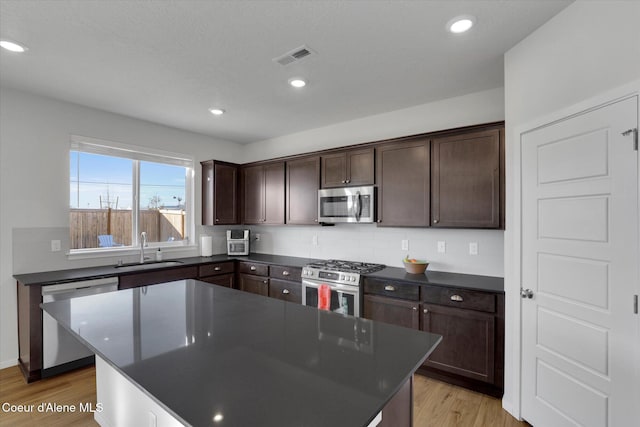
x,y
580,259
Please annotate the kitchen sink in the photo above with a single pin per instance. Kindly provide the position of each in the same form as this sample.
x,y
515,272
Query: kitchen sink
x,y
147,265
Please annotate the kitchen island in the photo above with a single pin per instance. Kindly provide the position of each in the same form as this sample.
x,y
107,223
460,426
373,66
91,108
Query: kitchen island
x,y
209,356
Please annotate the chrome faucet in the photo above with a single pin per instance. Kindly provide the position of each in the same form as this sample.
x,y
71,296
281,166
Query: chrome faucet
x,y
143,243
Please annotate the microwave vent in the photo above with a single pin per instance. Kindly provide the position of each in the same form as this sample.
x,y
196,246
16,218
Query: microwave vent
x,y
294,55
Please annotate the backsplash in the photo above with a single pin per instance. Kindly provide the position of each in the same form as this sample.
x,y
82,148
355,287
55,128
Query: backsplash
x,y
367,242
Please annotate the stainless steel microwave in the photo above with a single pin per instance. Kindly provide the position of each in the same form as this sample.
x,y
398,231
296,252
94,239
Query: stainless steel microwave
x,y
348,204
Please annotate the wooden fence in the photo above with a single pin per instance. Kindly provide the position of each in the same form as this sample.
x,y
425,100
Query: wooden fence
x,y
87,224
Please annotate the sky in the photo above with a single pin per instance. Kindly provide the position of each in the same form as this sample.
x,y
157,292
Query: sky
x,y
93,176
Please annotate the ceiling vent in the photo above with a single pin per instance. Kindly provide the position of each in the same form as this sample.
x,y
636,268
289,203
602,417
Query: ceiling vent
x,y
294,55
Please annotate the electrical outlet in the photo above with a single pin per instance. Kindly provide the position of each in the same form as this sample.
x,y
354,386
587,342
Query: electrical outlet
x,y
473,248
257,237
314,240
405,245
442,247
55,246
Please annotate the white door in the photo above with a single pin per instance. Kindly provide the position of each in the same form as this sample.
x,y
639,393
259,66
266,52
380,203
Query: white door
x,y
580,261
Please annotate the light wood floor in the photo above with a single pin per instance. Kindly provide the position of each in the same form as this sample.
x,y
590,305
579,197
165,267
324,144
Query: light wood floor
x,y
435,403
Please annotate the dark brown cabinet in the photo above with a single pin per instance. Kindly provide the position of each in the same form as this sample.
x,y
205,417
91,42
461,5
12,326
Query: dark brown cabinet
x,y
303,180
219,193
263,193
285,283
471,323
160,276
253,277
390,310
221,274
466,188
348,168
403,178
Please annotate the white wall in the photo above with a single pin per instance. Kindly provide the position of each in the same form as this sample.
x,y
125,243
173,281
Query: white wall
x,y
34,182
589,48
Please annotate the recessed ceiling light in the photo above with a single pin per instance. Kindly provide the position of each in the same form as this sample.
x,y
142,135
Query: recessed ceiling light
x,y
461,24
297,82
216,111
12,46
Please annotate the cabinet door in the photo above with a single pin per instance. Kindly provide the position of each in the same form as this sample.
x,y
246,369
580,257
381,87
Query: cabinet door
x,y
465,183
403,183
285,290
334,170
468,341
360,167
253,195
225,280
225,193
207,193
390,310
303,179
274,193
254,284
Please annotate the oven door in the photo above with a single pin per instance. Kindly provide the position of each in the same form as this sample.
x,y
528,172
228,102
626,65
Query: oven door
x,y
344,299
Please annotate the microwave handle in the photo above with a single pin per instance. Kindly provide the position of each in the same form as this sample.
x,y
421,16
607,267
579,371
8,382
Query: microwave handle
x,y
358,206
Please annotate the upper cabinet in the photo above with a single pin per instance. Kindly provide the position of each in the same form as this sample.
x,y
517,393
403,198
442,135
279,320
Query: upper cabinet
x,y
263,193
303,179
466,189
403,183
348,168
219,193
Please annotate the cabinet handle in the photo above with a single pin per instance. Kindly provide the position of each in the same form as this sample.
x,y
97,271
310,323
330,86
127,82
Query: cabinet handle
x,y
390,288
265,281
217,268
217,220
253,268
435,221
348,181
344,181
456,298
285,273
208,179
285,291
379,220
415,308
425,311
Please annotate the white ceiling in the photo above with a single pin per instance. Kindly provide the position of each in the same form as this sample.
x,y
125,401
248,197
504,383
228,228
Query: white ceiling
x,y
169,61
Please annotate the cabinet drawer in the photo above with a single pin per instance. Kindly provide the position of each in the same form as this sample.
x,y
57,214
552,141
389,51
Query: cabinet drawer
x,y
254,268
460,298
285,290
254,284
215,269
286,273
153,277
391,289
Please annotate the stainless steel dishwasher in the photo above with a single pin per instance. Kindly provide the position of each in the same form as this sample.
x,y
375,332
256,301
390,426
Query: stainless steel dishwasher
x,y
60,350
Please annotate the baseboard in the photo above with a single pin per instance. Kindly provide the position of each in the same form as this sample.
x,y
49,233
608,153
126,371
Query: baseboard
x,y
102,421
508,406
8,363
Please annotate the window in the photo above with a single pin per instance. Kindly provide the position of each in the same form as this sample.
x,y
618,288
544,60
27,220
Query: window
x,y
118,192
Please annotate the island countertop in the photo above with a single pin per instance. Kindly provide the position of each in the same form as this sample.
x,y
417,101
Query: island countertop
x,y
199,349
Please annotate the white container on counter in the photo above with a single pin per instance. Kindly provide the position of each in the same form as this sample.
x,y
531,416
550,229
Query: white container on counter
x,y
206,245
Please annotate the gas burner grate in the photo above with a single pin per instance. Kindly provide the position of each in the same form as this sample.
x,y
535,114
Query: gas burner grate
x,y
347,266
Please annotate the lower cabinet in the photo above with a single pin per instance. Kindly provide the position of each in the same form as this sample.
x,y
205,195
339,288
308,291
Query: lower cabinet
x,y
285,290
471,353
160,276
221,274
254,284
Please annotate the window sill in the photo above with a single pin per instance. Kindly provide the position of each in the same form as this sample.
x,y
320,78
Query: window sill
x,y
126,251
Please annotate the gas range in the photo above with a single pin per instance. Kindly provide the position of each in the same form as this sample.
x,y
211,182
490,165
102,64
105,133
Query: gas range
x,y
339,271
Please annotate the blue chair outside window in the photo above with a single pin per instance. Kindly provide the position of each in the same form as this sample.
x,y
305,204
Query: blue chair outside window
x,y
106,241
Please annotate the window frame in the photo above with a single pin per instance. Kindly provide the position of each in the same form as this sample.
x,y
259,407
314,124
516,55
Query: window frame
x,y
137,154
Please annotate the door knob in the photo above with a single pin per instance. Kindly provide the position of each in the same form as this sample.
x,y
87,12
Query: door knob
x,y
526,293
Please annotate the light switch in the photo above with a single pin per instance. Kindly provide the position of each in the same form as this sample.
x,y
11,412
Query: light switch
x,y
257,237
442,247
473,248
405,245
55,246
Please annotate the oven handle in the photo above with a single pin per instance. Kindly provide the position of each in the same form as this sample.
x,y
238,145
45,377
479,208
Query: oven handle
x,y
333,286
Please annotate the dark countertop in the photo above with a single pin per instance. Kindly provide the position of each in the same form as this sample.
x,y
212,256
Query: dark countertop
x,y
467,281
73,275
197,348
441,278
